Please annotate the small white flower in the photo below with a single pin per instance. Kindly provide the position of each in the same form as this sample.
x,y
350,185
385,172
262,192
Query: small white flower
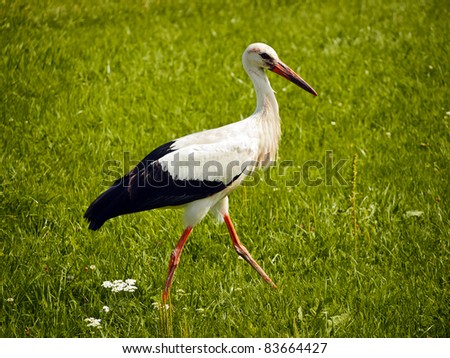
x,y
333,123
107,284
120,285
10,300
117,286
105,309
92,267
130,288
94,322
447,113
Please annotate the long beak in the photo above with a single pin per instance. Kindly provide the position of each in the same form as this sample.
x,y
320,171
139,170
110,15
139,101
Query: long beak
x,y
284,71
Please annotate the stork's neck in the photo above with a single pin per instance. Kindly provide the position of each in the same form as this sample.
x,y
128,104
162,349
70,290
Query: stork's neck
x,y
266,117
266,103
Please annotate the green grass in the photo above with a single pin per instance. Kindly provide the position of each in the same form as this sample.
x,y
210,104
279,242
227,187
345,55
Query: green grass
x,y
82,84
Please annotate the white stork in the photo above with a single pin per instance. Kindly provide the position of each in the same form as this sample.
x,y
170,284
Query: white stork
x,y
199,171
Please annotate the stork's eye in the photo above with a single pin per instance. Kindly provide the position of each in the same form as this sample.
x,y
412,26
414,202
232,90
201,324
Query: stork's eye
x,y
265,56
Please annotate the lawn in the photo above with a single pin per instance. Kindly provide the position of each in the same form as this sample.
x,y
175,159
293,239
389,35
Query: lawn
x,y
352,224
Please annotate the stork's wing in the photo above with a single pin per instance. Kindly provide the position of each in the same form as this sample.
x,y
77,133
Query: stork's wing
x,y
172,175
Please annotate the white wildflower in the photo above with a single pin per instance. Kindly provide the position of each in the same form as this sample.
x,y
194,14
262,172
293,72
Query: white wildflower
x,y
94,322
333,123
107,284
105,309
10,300
92,267
130,288
119,285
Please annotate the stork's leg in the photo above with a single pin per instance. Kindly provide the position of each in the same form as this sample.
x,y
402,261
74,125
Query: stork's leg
x,y
173,263
243,252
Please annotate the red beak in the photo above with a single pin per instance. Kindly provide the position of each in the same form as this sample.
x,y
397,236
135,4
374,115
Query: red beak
x,y
284,71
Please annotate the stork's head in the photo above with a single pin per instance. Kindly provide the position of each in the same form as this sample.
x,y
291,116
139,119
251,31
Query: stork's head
x,y
259,55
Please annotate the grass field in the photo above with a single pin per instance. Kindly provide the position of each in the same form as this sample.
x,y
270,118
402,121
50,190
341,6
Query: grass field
x,y
89,88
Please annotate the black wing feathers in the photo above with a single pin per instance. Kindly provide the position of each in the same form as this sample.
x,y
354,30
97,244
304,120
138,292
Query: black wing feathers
x,y
147,187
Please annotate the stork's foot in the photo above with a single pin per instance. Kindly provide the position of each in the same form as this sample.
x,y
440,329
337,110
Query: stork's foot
x,y
243,252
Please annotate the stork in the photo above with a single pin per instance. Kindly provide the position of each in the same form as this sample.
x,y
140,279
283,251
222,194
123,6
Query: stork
x,y
197,172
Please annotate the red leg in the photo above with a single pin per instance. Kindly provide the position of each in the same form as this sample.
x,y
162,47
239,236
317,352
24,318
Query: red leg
x,y
173,263
242,251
